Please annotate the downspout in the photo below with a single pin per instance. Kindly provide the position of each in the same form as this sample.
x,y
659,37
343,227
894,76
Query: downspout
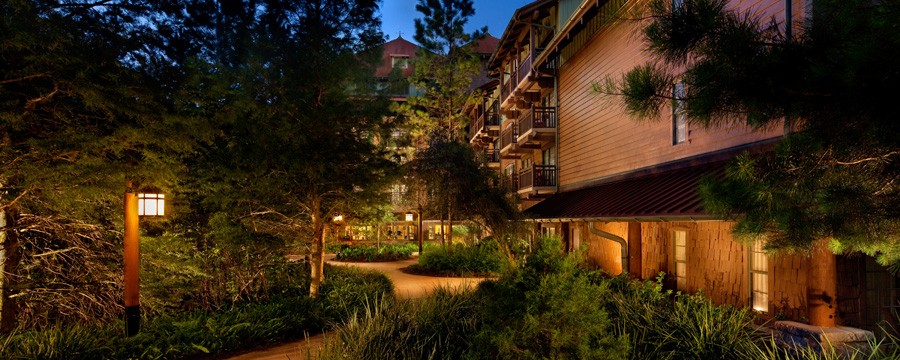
x,y
615,238
556,95
788,19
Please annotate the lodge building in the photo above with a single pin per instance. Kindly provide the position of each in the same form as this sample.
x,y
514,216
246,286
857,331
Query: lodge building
x,y
626,191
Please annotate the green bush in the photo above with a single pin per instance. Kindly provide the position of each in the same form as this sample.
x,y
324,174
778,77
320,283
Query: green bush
x,y
483,259
206,333
546,309
376,254
436,327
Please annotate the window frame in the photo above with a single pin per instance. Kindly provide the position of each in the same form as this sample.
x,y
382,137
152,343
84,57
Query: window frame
x,y
758,275
680,276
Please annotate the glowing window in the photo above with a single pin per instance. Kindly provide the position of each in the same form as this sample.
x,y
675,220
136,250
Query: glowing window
x,y
680,240
759,277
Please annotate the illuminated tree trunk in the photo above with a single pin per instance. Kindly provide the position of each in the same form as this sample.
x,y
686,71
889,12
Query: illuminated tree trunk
x,y
317,260
9,259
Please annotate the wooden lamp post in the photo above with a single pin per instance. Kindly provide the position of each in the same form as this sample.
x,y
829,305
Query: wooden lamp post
x,y
136,205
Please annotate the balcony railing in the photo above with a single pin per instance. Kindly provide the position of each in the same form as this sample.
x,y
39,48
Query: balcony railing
x,y
492,155
510,183
537,175
524,69
507,88
537,117
509,135
476,126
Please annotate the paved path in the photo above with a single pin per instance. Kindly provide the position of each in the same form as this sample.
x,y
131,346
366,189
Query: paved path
x,y
406,286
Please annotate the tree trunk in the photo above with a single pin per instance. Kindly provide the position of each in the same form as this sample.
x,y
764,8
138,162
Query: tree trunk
x,y
443,234
450,227
9,261
317,258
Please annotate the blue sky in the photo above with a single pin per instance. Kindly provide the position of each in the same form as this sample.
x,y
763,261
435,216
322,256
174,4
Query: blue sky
x,y
397,16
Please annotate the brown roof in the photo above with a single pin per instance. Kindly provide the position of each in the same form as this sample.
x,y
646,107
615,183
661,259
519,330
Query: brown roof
x,y
487,45
396,47
653,194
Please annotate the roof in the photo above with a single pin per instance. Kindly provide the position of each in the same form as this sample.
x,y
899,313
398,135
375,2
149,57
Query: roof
x,y
396,47
519,21
486,45
654,194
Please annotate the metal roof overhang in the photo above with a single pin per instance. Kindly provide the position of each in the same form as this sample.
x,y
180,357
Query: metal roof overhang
x,y
667,195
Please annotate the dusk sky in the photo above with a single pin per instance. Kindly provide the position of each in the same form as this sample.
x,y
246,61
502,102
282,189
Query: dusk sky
x,y
397,16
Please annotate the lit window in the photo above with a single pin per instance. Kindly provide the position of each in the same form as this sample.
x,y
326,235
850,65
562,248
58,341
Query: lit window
x,y
680,259
759,277
400,61
679,115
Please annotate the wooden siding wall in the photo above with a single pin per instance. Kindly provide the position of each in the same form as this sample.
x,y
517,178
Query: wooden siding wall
x,y
597,137
787,285
600,251
716,264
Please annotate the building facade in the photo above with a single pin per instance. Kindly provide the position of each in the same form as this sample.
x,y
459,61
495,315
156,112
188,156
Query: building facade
x,y
626,192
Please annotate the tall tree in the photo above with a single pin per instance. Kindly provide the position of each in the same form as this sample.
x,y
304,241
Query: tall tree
x,y
453,175
834,177
297,116
445,66
82,110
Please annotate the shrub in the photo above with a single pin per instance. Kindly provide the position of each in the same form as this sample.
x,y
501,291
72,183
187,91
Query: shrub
x,y
546,309
436,327
373,254
205,333
483,259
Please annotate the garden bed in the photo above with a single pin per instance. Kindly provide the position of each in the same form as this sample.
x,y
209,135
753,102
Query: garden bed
x,y
385,253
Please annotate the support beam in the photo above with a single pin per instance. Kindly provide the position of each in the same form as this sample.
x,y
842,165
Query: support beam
x,y
635,263
821,286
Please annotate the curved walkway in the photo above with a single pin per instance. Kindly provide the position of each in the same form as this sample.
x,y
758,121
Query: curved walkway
x,y
406,286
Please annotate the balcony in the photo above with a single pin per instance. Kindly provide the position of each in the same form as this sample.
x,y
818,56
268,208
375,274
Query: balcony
x,y
520,72
510,183
492,157
537,180
486,126
537,126
508,137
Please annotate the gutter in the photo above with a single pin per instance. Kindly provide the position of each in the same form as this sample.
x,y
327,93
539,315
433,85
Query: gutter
x,y
694,218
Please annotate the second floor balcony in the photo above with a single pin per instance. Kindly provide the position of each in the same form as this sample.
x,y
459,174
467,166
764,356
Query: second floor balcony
x,y
537,126
485,127
537,180
492,157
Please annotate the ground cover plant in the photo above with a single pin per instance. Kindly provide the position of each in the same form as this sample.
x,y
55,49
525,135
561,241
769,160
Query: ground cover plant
x,y
482,259
550,306
392,252
203,333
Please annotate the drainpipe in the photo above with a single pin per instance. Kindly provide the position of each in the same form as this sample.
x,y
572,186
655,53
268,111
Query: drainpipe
x,y
788,19
615,238
556,95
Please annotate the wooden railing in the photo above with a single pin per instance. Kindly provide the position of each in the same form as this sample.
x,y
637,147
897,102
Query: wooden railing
x,y
477,125
523,69
537,175
510,183
492,155
537,117
509,135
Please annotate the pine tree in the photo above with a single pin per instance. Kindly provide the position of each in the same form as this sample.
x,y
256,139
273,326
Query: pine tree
x,y
835,174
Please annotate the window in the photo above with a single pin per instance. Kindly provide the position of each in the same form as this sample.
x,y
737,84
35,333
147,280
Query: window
x,y
680,237
759,277
679,116
548,157
548,231
400,61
